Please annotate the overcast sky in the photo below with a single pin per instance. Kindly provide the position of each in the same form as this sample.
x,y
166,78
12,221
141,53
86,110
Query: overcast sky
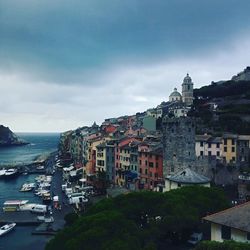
x,y
65,64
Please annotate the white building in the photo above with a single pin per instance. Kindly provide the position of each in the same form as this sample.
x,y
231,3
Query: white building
x,y
231,224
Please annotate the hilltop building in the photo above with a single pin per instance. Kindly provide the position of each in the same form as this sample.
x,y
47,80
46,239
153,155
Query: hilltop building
x,y
187,92
243,75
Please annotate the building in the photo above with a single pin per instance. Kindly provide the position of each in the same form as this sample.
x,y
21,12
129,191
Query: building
x,y
231,224
149,123
243,149
150,165
178,144
243,75
185,177
105,159
175,96
187,90
229,148
206,145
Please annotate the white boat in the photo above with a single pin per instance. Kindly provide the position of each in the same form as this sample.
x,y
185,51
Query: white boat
x,y
2,172
6,228
40,167
11,172
45,219
27,187
13,205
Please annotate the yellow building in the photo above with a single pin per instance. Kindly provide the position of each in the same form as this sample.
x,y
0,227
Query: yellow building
x,y
229,148
231,224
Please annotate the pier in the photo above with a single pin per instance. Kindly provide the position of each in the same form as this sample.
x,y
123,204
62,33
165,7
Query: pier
x,y
24,218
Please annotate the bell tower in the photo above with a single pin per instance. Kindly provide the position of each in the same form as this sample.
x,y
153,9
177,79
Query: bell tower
x,y
187,90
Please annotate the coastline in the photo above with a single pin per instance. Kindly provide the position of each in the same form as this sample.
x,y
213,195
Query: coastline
x,y
38,160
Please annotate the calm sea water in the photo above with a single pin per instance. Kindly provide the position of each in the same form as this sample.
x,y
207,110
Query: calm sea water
x,y
20,238
40,144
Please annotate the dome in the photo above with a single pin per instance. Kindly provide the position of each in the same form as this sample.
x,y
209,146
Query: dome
x,y
175,93
175,96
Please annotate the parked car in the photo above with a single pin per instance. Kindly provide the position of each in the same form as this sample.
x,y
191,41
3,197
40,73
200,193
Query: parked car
x,y
195,238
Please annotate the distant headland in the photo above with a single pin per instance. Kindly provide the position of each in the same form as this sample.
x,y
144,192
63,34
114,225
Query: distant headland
x,y
8,138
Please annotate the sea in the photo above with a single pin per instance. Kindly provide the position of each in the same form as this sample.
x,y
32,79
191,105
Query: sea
x,y
41,145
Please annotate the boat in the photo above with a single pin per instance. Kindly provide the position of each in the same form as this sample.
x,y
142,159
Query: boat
x,y
6,228
46,219
11,172
27,187
46,197
13,205
40,167
2,172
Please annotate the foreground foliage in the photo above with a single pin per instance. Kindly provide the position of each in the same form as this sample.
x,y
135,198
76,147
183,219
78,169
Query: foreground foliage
x,y
227,245
140,220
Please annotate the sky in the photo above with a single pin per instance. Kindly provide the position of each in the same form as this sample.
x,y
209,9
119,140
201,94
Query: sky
x,y
65,64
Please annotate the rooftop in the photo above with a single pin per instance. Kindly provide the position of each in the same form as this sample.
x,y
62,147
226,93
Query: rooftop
x,y
188,176
236,217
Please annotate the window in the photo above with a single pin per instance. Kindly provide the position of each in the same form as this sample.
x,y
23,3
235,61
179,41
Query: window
x,y
209,153
146,171
156,175
150,174
151,164
156,165
179,184
225,141
218,153
233,142
233,149
135,168
233,158
146,163
201,153
225,233
248,236
140,170
140,162
225,149
201,143
217,145
209,145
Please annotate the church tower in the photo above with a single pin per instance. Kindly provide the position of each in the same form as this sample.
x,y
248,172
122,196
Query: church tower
x,y
187,90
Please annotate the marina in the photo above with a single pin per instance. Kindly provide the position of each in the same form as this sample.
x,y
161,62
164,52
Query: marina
x,y
27,233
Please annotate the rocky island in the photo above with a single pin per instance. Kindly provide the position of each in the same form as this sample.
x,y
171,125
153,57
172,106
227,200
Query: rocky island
x,y
8,138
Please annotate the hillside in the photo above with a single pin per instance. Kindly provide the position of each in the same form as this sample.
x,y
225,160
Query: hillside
x,y
223,108
8,138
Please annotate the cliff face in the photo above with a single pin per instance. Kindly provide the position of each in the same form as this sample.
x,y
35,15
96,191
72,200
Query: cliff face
x,y
8,138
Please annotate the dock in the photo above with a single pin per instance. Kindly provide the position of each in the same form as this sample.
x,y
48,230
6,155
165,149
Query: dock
x,y
24,218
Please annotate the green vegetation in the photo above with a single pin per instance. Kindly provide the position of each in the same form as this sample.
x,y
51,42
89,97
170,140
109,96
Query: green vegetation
x,y
140,220
226,245
229,88
233,108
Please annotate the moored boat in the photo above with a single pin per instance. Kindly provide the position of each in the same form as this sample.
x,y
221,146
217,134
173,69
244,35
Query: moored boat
x,y
10,173
6,228
13,205
2,172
